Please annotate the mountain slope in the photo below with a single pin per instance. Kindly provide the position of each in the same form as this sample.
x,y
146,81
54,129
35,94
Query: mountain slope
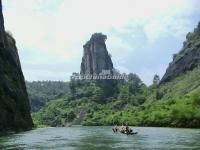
x,y
187,59
40,92
178,105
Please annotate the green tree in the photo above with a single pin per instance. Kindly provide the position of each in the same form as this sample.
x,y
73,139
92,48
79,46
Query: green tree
x,y
156,79
134,83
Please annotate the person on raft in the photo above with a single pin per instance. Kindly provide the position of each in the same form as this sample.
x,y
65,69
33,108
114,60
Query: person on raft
x,y
115,129
122,128
125,129
128,130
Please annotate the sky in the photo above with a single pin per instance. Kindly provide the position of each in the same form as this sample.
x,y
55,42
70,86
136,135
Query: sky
x,y
142,35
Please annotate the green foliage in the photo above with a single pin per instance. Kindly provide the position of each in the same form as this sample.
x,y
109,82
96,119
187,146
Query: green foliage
x,y
156,79
175,103
40,92
178,105
55,113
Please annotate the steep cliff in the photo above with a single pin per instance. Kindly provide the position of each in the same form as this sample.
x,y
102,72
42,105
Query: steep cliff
x,y
14,102
187,59
2,30
96,57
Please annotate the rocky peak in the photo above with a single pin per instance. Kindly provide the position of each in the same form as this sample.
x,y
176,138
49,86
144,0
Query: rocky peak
x,y
187,59
96,57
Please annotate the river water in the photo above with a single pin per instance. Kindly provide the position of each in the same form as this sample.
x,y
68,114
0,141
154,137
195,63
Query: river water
x,y
102,138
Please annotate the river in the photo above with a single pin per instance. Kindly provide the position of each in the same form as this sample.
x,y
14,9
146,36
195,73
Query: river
x,y
102,138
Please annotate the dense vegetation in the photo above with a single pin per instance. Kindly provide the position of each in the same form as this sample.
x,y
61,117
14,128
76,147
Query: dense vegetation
x,y
40,92
176,103
87,96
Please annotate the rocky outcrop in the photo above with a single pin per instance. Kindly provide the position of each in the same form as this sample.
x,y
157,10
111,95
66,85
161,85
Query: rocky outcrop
x,y
187,59
14,102
2,30
96,57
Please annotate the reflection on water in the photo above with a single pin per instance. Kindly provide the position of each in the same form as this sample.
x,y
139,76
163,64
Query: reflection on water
x,y
102,138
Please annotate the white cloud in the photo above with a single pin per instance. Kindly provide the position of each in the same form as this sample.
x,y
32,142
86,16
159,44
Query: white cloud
x,y
118,47
59,36
147,74
123,69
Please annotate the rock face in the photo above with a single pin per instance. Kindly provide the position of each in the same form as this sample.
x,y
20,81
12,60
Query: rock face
x,y
187,59
2,30
14,102
96,57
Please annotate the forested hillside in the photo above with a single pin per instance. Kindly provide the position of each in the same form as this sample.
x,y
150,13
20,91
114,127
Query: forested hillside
x,y
40,92
175,103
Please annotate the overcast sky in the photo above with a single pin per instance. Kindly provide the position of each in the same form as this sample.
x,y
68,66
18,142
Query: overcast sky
x,y
142,34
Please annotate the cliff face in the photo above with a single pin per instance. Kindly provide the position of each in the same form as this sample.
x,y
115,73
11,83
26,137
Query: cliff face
x,y
96,57
2,30
187,59
14,102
